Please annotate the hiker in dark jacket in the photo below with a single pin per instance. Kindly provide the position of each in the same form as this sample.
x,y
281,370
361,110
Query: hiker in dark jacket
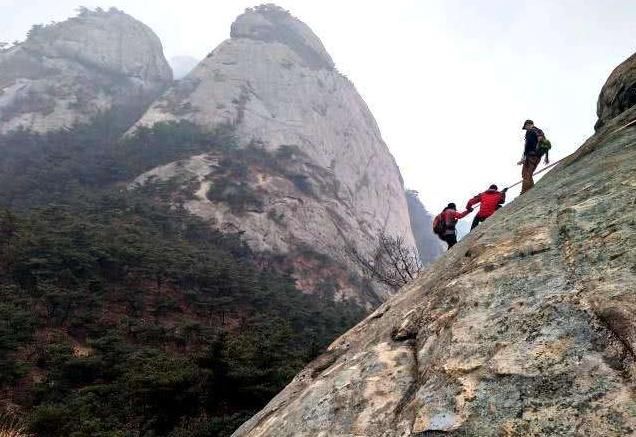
x,y
445,223
531,154
489,202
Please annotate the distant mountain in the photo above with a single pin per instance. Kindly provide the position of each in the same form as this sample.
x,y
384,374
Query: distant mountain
x,y
316,172
67,73
168,275
182,65
429,246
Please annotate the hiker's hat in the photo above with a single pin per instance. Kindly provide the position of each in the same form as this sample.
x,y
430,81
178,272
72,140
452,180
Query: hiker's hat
x,y
527,122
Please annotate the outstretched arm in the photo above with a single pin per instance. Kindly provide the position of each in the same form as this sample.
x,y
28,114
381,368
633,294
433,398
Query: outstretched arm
x,y
463,214
472,202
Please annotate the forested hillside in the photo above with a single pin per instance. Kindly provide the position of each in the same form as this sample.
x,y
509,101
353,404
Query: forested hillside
x,y
125,316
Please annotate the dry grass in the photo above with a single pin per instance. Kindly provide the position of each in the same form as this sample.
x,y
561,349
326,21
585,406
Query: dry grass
x,y
12,426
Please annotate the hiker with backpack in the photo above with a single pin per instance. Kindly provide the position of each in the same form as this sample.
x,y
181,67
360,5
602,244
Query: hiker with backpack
x,y
445,222
536,146
489,202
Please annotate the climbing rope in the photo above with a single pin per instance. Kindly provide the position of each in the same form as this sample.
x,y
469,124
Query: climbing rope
x,y
536,173
555,163
623,127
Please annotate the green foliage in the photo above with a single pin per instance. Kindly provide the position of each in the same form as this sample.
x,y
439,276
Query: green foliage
x,y
120,315
16,328
237,195
231,337
38,169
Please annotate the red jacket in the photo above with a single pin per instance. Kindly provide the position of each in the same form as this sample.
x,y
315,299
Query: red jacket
x,y
489,201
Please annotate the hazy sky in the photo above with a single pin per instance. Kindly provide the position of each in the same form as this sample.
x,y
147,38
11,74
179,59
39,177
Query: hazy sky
x,y
449,81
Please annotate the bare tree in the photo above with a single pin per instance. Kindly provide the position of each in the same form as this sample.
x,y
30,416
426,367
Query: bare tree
x,y
392,262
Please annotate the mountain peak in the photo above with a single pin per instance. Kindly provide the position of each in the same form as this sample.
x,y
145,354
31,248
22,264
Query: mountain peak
x,y
618,93
67,73
329,182
109,40
272,24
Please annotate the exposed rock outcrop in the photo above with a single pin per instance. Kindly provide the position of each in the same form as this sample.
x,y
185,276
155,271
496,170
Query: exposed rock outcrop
x,y
526,327
618,93
274,82
66,73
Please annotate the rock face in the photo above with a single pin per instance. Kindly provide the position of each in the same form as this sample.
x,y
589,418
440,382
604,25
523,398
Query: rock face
x,y
274,82
67,73
618,93
526,327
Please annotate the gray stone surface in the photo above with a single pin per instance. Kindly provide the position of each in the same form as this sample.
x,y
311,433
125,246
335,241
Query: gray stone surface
x,y
66,73
619,92
525,328
276,84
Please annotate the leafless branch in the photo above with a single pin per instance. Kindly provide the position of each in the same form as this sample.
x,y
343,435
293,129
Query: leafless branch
x,y
392,262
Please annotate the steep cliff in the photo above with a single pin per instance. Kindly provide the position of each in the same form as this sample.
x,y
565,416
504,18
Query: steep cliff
x,y
330,181
526,327
66,73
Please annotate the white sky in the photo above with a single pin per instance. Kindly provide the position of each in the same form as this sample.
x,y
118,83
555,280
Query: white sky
x,y
449,81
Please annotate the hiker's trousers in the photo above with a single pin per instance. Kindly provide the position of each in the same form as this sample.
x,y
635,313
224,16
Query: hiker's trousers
x,y
530,164
451,239
476,221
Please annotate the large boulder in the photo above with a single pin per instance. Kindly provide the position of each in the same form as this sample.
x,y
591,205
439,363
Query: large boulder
x,y
618,93
526,327
69,72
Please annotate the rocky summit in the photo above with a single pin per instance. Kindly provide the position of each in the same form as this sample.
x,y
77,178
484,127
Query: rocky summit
x,y
618,93
527,327
335,183
67,73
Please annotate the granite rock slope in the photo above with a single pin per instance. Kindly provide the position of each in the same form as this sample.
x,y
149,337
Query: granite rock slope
x,y
67,73
276,85
526,328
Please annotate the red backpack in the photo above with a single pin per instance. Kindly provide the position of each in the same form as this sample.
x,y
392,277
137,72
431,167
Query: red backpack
x,y
439,225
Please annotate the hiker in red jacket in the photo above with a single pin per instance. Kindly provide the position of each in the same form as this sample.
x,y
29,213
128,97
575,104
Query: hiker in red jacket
x,y
489,202
445,222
